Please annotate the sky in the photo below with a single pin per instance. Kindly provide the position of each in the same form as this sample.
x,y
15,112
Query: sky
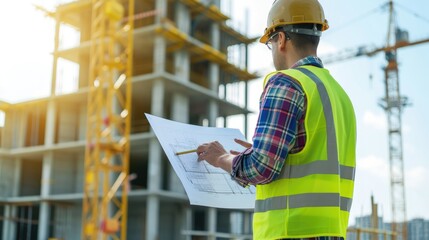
x,y
26,64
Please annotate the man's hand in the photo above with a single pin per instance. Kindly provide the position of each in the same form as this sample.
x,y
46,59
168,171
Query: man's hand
x,y
212,153
215,154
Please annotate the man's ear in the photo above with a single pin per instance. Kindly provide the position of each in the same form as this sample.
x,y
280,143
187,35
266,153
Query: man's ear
x,y
282,40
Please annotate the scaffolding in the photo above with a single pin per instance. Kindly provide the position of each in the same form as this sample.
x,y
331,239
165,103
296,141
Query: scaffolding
x,y
109,120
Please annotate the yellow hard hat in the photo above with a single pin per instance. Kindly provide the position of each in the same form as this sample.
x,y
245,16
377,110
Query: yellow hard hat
x,y
289,12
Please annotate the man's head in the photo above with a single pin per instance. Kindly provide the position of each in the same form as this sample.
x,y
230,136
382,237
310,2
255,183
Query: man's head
x,y
300,22
288,15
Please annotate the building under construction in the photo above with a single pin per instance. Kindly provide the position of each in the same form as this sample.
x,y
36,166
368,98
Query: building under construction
x,y
184,67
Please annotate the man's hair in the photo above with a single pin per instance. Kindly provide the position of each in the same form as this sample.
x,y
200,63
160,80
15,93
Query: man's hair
x,y
303,41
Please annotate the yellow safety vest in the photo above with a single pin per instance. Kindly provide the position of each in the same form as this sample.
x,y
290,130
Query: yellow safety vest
x,y
313,194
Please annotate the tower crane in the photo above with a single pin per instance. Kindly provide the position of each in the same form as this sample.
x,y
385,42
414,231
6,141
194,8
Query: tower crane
x,y
393,103
106,167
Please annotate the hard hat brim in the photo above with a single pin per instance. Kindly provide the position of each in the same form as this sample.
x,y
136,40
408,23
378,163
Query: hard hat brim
x,y
264,39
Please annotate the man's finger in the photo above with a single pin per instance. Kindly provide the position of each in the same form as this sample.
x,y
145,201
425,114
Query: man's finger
x,y
243,143
201,155
233,152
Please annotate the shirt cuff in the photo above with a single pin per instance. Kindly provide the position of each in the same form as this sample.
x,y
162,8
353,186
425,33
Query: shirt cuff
x,y
237,163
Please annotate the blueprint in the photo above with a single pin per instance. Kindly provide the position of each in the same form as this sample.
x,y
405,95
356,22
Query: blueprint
x,y
204,184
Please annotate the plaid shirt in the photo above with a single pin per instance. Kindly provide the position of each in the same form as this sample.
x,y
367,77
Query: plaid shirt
x,y
279,130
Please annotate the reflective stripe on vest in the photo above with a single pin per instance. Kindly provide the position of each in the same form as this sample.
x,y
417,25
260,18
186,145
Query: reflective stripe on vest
x,y
304,200
317,167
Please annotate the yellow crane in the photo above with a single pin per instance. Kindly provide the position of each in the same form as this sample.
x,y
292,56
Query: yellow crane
x,y
393,103
109,120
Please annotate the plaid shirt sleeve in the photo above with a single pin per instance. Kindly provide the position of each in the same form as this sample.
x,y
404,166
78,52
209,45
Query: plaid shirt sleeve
x,y
281,106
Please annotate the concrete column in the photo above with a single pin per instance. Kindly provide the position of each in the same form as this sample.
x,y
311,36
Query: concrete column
x,y
155,166
213,112
161,8
159,55
22,127
48,161
214,76
85,35
55,57
247,222
246,86
187,223
157,108
212,219
213,107
43,221
183,18
16,177
44,211
182,65
154,176
50,124
180,112
246,116
9,227
10,210
213,67
180,102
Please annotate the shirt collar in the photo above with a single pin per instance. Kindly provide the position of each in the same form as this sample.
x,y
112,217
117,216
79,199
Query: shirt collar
x,y
309,60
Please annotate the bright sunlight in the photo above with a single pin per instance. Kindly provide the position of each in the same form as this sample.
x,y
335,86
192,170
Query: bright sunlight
x,y
26,48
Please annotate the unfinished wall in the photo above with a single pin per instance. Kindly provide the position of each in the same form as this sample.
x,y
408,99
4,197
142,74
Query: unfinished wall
x,y
35,126
171,220
7,177
60,219
139,168
27,226
82,122
136,229
66,221
79,177
64,171
30,177
67,127
15,125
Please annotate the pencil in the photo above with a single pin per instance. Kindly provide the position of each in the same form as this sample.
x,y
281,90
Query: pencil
x,y
185,152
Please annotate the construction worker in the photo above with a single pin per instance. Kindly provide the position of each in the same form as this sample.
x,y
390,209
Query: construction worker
x,y
302,159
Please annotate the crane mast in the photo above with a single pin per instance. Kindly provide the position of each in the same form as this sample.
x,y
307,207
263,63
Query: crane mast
x,y
393,103
106,167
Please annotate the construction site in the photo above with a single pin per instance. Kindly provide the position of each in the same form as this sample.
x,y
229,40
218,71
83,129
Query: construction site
x,y
176,53
85,164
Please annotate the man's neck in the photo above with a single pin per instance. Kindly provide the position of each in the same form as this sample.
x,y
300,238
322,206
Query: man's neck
x,y
291,59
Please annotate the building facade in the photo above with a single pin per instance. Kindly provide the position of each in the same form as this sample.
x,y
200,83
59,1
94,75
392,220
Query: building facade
x,y
182,70
417,229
